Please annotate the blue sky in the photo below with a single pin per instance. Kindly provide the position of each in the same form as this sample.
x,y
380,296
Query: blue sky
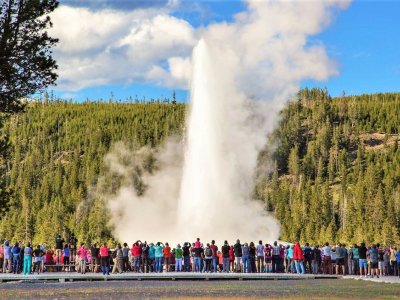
x,y
363,40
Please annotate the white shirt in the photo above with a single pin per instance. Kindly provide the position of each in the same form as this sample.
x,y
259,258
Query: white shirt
x,y
327,251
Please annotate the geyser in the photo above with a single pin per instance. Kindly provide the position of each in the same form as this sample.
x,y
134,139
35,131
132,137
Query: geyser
x,y
220,156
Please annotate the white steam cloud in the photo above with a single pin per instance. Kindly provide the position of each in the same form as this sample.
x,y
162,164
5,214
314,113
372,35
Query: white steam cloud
x,y
242,74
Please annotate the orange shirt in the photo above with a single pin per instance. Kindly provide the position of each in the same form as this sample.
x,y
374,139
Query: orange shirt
x,y
167,251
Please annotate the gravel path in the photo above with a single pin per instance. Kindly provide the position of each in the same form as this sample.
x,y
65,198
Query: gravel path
x,y
288,289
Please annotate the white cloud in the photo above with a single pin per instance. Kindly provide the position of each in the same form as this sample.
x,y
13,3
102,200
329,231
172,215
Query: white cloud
x,y
107,46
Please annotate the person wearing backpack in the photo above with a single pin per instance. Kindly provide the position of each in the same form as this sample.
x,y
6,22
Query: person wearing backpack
x,y
208,256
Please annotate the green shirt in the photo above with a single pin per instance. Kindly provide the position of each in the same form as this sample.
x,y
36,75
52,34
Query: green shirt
x,y
178,253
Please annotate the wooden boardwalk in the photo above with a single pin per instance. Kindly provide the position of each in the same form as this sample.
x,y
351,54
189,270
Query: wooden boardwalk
x,y
69,277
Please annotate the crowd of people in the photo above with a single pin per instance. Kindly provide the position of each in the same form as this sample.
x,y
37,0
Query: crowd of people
x,y
142,257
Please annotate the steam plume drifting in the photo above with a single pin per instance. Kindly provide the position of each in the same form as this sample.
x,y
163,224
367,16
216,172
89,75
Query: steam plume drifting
x,y
242,74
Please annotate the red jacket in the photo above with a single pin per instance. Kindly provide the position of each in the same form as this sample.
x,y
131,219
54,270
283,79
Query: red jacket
x,y
298,252
135,251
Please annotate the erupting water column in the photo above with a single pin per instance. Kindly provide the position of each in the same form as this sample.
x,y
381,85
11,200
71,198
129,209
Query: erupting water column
x,y
219,158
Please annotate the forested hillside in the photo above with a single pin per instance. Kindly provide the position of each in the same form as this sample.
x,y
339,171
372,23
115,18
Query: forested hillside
x,y
57,155
337,169
336,175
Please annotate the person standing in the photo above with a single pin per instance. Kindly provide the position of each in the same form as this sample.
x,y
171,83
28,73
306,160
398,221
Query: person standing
x,y
316,259
27,259
393,261
260,256
340,259
125,257
7,257
225,256
82,253
373,258
327,264
245,258
307,258
104,259
197,252
59,248
145,257
356,259
208,253
37,261
66,254
95,253
152,258
119,260
214,249
135,251
178,258
268,258
167,257
362,251
298,257
73,242
276,252
158,248
16,254
186,256
238,255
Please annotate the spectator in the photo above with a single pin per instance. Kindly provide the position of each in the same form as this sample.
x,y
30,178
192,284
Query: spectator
x,y
362,251
104,259
307,257
37,260
225,257
238,254
159,256
214,249
260,256
298,257
66,254
82,253
245,258
316,259
7,257
178,258
27,259
276,252
327,263
59,248
208,256
167,256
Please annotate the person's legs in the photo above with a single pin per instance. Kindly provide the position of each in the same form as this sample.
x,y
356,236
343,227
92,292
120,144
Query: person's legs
x,y
297,266
245,259
214,261
226,264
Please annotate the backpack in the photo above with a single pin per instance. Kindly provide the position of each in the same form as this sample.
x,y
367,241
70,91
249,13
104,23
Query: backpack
x,y
209,252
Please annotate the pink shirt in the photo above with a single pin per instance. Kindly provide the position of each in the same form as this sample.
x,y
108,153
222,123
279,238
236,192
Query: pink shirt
x,y
82,252
103,251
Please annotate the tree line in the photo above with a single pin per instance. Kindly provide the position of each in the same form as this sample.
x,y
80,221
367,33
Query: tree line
x,y
334,177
